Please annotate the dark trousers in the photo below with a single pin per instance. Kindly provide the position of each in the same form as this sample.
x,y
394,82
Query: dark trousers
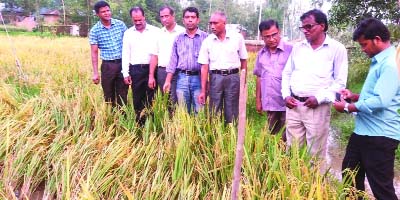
x,y
276,121
224,94
141,93
161,76
374,157
112,81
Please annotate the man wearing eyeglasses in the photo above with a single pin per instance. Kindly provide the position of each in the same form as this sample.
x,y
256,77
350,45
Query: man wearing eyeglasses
x,y
268,68
315,71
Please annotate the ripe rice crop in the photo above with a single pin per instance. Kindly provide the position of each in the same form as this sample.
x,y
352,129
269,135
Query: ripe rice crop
x,y
59,138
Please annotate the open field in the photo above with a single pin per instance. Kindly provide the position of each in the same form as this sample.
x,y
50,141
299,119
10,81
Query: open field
x,y
60,138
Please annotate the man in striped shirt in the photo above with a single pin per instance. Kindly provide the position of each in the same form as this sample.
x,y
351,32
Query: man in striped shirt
x,y
185,52
106,35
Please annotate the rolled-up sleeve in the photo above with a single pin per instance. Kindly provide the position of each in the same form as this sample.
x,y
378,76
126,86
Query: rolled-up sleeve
x,y
384,91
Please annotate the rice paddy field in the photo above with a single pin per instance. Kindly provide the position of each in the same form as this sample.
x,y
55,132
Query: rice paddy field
x,y
60,141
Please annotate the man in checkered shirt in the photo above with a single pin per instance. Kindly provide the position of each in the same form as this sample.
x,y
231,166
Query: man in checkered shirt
x,y
106,35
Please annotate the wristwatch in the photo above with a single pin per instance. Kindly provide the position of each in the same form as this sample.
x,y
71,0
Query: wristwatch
x,y
346,108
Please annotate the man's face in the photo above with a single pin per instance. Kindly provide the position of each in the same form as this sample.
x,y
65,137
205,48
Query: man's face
x,y
271,37
217,24
104,13
138,20
166,18
311,29
190,20
368,46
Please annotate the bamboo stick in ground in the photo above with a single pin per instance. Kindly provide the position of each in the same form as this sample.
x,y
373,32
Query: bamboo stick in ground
x,y
241,134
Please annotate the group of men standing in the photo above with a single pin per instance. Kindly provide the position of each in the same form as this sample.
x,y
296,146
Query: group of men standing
x,y
175,59
296,84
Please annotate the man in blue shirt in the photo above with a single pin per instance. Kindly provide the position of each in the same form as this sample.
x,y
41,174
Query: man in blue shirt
x,y
371,148
185,51
106,35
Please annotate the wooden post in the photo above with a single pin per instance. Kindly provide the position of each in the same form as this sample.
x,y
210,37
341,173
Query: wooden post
x,y
241,135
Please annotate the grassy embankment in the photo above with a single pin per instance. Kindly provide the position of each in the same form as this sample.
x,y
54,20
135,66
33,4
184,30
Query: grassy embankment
x,y
59,136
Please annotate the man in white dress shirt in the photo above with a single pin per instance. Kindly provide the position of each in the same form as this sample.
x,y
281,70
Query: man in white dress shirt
x,y
223,54
314,72
138,42
162,53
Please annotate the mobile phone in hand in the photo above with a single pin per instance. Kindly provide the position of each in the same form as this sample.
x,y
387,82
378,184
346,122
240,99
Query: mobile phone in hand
x,y
338,96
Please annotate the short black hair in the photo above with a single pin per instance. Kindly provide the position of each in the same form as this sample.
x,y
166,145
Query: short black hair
x,y
171,10
267,24
135,9
99,5
191,9
319,17
370,28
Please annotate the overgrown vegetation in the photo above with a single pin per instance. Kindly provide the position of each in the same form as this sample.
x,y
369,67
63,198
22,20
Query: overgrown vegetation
x,y
59,136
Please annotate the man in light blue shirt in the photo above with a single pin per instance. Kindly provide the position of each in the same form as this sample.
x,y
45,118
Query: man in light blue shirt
x,y
371,148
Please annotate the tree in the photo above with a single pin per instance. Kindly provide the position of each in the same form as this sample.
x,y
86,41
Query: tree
x,y
350,12
30,6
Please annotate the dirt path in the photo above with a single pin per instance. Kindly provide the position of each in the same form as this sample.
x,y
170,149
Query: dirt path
x,y
335,157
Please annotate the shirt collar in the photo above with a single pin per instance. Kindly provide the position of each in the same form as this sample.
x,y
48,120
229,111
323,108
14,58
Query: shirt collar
x,y
198,32
164,29
112,23
228,34
383,54
328,40
280,47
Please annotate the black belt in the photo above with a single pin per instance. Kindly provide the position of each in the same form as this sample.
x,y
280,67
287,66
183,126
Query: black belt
x,y
113,61
144,66
189,72
225,72
301,99
161,67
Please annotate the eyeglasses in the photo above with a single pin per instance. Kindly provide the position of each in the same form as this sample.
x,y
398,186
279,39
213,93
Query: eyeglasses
x,y
271,36
307,27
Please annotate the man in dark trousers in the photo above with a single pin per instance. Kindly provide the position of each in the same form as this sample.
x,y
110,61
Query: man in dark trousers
x,y
371,148
138,42
106,35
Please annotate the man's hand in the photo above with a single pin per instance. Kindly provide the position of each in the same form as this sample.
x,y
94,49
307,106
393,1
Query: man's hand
x,y
128,80
339,105
311,102
152,82
291,102
348,95
259,106
96,78
202,98
166,87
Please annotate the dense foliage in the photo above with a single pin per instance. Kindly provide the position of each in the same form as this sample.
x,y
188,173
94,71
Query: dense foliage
x,y
350,12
